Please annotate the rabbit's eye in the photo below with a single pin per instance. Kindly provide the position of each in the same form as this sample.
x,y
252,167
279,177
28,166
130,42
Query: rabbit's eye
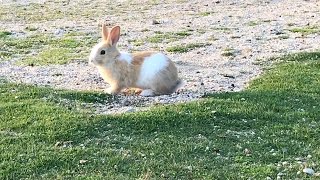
x,y
103,52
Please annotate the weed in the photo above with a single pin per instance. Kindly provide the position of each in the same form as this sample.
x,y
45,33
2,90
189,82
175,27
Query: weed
x,y
186,48
136,42
4,34
207,13
306,30
168,37
253,23
228,52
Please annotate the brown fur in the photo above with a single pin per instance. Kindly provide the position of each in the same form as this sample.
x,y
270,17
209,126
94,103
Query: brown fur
x,y
104,32
117,75
139,57
120,74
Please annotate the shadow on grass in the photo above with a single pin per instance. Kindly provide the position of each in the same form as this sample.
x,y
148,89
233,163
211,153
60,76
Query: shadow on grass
x,y
25,92
229,135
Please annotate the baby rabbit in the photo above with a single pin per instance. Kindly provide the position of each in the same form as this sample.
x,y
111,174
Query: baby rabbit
x,y
153,72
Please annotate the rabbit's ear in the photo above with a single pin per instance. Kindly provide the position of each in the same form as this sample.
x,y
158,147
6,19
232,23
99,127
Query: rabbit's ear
x,y
114,35
104,32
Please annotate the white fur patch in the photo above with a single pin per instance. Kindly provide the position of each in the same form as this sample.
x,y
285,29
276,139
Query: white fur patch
x,y
125,57
94,52
150,67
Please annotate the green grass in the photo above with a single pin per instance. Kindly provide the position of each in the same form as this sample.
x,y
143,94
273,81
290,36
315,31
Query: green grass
x,y
228,52
50,56
42,49
137,42
15,11
53,10
168,36
253,134
206,13
4,34
253,23
306,30
4,53
186,48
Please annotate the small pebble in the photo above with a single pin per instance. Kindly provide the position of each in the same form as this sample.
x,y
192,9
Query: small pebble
x,y
154,22
59,32
308,171
83,161
131,110
125,102
246,151
58,144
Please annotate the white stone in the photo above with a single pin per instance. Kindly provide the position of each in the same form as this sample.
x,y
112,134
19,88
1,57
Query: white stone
x,y
308,171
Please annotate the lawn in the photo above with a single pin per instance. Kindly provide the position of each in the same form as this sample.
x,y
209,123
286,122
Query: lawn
x,y
44,49
270,129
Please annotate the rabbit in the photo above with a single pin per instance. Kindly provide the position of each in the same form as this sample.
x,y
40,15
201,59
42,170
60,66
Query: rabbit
x,y
152,72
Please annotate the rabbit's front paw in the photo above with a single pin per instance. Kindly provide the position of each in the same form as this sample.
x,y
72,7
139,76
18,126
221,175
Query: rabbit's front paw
x,y
111,90
147,93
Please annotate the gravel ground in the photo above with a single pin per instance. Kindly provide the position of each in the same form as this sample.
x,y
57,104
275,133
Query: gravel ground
x,y
252,30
